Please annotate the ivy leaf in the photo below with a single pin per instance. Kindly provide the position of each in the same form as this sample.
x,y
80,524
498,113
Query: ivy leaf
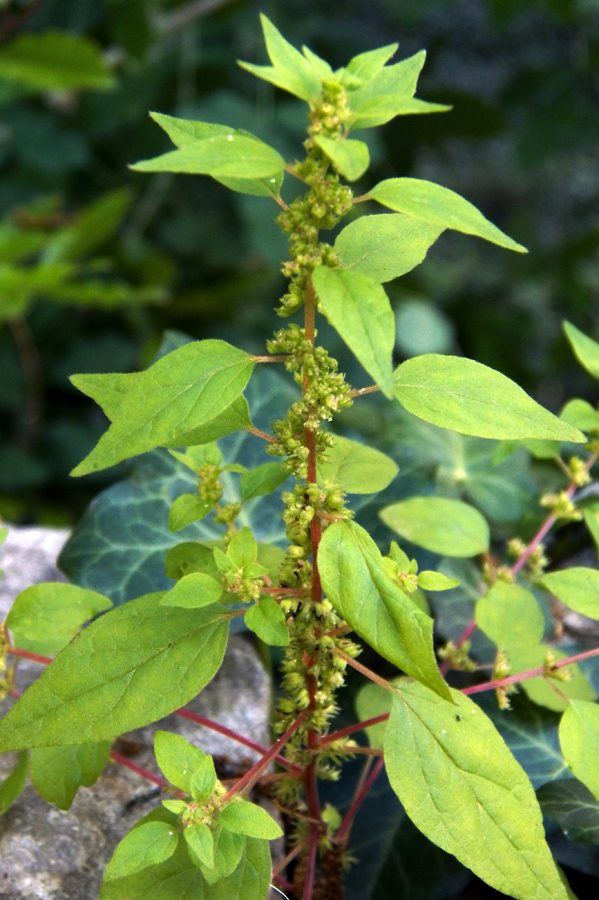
x,y
262,480
133,666
58,772
447,527
385,246
539,689
290,70
466,396
510,616
355,581
569,803
359,469
181,392
12,786
55,61
350,158
266,619
586,350
439,206
145,846
200,844
359,310
579,740
577,587
44,617
186,509
193,591
177,758
464,790
246,818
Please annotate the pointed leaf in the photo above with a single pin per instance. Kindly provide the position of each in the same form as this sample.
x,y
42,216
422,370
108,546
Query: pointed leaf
x,y
447,527
385,246
55,61
577,587
246,818
177,758
266,619
355,581
367,66
359,310
203,780
184,390
186,509
539,689
193,591
579,740
321,66
585,349
134,665
580,414
290,70
242,549
439,206
359,469
57,772
44,617
463,789
145,846
221,156
436,581
466,396
569,803
12,786
262,480
228,851
377,101
350,158
510,616
200,844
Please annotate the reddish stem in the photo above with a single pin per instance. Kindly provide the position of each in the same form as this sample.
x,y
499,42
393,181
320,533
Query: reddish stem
x,y
25,654
344,829
360,668
262,434
531,673
145,773
359,726
311,864
359,392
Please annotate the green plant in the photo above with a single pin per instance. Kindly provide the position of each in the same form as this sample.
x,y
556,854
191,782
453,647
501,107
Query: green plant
x,y
444,757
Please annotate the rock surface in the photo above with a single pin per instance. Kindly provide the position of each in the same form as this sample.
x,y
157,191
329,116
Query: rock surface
x,y
48,854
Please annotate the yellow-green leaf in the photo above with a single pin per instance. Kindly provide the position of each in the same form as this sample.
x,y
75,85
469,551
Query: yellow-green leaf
x,y
579,740
447,527
359,469
510,616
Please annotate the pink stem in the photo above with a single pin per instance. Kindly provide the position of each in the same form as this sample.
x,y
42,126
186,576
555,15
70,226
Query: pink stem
x,y
145,773
465,636
531,673
359,726
311,865
343,830
25,654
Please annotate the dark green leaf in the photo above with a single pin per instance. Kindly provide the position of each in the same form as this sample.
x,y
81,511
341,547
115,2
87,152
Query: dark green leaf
x,y
447,527
350,158
266,619
246,818
359,469
569,803
55,61
12,786
58,772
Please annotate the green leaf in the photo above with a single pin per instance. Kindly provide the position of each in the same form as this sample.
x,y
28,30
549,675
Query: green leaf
x,y
510,616
44,617
262,480
581,415
321,66
145,846
228,850
374,700
243,817
12,786
359,469
447,527
359,310
57,772
196,457
242,549
579,740
577,587
132,666
200,844
350,158
586,350
539,689
436,581
464,790
569,803
186,509
266,619
466,396
439,206
366,66
354,579
184,390
177,758
590,515
385,246
203,780
290,70
193,591
55,61
223,156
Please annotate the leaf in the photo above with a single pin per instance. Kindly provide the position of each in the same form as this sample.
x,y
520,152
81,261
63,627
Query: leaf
x,y
374,700
586,350
466,396
203,780
439,206
366,66
12,786
262,480
385,246
44,617
463,789
243,817
510,616
145,846
186,509
134,665
539,689
359,469
577,587
355,581
55,61
200,844
184,390
58,772
436,581
320,66
359,310
581,415
228,851
385,94
266,619
290,70
579,740
447,527
350,158
193,591
569,803
222,156
177,758
242,549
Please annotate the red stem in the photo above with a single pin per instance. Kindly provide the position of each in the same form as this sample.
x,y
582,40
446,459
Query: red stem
x,y
311,865
145,773
25,654
344,829
531,673
359,726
